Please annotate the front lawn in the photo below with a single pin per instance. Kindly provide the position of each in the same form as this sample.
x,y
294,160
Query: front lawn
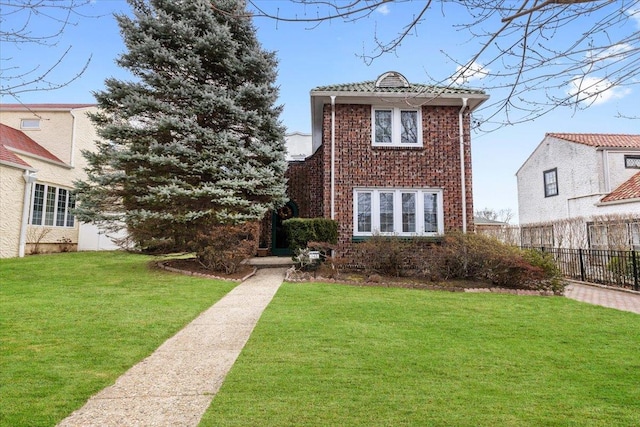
x,y
328,355
70,324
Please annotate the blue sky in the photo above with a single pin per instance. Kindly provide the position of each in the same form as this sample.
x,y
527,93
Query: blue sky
x,y
329,54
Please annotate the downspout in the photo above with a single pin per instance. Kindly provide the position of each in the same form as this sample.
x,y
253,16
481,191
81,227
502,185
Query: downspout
x,y
333,156
463,179
73,139
29,179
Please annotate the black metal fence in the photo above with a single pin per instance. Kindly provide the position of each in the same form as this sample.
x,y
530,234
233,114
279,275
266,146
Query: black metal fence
x,y
607,267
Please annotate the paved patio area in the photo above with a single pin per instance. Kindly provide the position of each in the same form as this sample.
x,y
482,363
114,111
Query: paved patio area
x,y
620,300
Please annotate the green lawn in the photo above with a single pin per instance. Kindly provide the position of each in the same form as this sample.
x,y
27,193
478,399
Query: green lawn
x,y
70,324
330,355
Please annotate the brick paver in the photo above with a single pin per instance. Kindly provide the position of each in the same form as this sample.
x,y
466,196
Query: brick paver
x,y
620,300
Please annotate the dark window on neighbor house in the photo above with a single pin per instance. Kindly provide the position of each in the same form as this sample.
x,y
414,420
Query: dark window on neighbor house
x,y
632,162
550,182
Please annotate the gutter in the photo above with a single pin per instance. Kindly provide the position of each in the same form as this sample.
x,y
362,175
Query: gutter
x,y
463,183
333,156
73,139
29,178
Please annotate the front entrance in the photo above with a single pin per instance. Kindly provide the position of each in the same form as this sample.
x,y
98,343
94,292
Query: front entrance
x,y
279,240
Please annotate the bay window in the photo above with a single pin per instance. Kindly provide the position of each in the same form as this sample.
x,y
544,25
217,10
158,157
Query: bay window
x,y
51,206
403,212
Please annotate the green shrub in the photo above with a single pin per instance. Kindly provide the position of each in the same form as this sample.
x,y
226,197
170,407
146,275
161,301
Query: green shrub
x,y
301,231
386,255
483,258
226,246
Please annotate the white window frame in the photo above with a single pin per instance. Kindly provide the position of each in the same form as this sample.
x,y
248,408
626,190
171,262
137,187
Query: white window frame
x,y
548,183
30,124
51,217
397,211
396,140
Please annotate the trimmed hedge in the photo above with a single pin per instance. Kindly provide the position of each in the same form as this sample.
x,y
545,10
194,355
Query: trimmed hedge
x,y
301,231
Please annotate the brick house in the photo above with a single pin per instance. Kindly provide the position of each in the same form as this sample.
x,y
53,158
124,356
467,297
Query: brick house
x,y
389,157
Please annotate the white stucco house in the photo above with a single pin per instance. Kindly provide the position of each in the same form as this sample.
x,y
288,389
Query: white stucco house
x,y
40,158
587,176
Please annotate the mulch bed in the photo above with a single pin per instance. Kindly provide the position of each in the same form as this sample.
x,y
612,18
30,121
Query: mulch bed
x,y
191,266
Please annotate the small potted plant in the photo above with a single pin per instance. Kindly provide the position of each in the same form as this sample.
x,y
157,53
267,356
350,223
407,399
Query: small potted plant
x,y
263,250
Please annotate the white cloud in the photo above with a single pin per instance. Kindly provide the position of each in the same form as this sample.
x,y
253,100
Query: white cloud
x,y
466,74
595,91
635,15
611,53
383,9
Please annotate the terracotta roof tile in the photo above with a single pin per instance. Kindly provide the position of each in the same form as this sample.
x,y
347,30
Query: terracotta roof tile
x,y
370,87
600,139
630,189
7,156
11,138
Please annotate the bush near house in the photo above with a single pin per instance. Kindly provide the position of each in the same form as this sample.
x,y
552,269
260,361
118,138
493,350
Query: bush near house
x,y
301,231
458,256
224,247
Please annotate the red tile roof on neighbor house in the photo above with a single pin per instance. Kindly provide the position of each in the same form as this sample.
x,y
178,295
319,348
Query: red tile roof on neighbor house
x,y
630,189
600,139
12,141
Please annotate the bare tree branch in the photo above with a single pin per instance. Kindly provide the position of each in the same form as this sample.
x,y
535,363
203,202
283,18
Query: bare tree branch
x,y
534,56
21,23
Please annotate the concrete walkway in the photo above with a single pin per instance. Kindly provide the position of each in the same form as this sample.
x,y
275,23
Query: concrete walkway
x,y
176,384
620,300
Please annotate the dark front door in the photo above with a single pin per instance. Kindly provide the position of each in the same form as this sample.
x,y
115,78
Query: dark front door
x,y
280,242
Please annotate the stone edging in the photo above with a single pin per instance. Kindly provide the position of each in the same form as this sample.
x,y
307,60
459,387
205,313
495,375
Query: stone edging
x,y
291,271
162,265
597,285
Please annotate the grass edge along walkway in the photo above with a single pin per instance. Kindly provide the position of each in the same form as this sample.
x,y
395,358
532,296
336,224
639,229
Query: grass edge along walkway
x,y
72,323
338,355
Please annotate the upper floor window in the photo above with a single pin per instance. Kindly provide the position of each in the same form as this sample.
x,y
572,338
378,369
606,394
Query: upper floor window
x,y
52,206
30,124
407,212
632,162
551,182
396,127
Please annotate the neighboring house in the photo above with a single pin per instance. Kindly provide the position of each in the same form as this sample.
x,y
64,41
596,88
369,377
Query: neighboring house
x,y
593,177
298,146
389,157
40,158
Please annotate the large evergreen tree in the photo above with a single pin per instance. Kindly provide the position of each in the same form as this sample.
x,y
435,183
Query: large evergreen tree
x,y
195,140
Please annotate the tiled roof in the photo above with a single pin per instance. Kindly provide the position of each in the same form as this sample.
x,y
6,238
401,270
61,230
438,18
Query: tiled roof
x,y
8,157
414,88
36,107
600,139
11,138
630,189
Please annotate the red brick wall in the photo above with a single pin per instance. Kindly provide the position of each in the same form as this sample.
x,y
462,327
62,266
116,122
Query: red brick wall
x,y
358,164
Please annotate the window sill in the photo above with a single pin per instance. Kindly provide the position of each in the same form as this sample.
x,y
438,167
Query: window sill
x,y
433,239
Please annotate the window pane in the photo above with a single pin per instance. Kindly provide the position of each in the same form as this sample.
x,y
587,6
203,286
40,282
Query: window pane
x,y
62,207
71,205
409,123
386,212
38,205
50,206
635,235
364,212
550,183
30,124
430,213
383,126
408,212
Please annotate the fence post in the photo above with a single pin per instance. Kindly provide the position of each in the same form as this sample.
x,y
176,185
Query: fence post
x,y
581,266
634,262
